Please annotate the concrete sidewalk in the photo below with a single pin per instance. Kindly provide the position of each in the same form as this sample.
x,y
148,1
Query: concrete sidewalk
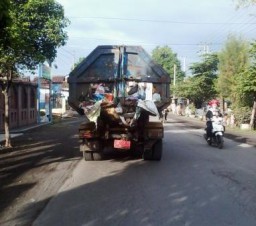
x,y
20,131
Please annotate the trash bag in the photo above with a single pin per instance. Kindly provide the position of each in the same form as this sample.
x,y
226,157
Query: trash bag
x,y
94,112
149,106
133,90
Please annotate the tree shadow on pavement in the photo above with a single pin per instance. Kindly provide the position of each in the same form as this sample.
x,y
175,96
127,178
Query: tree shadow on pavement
x,y
142,193
37,152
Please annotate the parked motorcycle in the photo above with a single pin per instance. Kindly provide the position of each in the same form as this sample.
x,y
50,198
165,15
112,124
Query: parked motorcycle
x,y
217,135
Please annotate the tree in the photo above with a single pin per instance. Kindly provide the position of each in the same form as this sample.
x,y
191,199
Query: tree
x,y
165,57
200,87
247,85
245,3
35,31
247,80
197,89
4,20
78,62
4,14
234,58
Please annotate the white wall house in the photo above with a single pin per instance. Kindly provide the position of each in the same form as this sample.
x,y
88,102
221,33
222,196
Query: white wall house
x,y
58,98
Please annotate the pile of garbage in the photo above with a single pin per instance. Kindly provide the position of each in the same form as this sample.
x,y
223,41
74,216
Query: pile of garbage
x,y
122,107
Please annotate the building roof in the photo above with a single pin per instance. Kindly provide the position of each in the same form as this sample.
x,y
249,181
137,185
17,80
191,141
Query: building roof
x,y
58,79
23,81
55,79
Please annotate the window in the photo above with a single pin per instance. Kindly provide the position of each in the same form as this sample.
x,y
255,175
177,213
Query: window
x,y
32,98
1,101
14,98
24,98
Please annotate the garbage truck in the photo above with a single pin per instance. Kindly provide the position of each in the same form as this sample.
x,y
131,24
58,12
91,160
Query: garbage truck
x,y
121,93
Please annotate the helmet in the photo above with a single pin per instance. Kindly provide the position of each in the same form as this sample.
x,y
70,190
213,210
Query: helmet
x,y
214,102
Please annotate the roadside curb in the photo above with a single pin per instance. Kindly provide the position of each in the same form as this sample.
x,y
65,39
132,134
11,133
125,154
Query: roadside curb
x,y
20,131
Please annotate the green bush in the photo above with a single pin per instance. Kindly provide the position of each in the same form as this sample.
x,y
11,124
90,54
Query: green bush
x,y
56,118
192,108
42,113
243,115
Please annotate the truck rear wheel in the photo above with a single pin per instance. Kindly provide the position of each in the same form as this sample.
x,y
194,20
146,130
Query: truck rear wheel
x,y
87,155
92,150
97,156
157,150
92,155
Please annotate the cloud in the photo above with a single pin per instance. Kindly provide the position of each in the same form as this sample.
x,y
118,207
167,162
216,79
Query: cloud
x,y
184,25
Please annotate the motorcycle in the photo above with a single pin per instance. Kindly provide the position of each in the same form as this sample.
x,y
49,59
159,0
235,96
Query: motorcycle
x,y
217,134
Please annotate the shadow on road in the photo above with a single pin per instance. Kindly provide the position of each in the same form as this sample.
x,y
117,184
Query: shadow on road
x,y
143,193
38,152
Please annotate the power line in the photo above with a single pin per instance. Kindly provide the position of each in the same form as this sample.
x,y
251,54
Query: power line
x,y
219,32
156,21
139,42
234,28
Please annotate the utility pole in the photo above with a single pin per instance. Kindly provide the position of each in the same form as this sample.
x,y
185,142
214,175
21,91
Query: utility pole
x,y
173,105
38,92
205,49
174,79
184,64
174,74
50,93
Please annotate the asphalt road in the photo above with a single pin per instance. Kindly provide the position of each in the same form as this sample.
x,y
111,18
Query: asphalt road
x,y
33,171
193,185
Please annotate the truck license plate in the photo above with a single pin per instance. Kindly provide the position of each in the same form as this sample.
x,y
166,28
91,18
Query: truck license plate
x,y
122,144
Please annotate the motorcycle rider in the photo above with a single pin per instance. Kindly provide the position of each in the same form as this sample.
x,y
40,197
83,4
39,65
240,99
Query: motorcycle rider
x,y
212,113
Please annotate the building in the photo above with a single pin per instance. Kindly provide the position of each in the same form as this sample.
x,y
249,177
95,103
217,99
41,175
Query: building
x,y
58,96
23,101
22,104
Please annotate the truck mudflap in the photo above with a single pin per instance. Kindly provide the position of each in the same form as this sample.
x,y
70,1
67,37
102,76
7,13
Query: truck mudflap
x,y
153,150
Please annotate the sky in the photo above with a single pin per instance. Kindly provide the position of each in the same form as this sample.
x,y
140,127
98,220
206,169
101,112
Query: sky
x,y
188,27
